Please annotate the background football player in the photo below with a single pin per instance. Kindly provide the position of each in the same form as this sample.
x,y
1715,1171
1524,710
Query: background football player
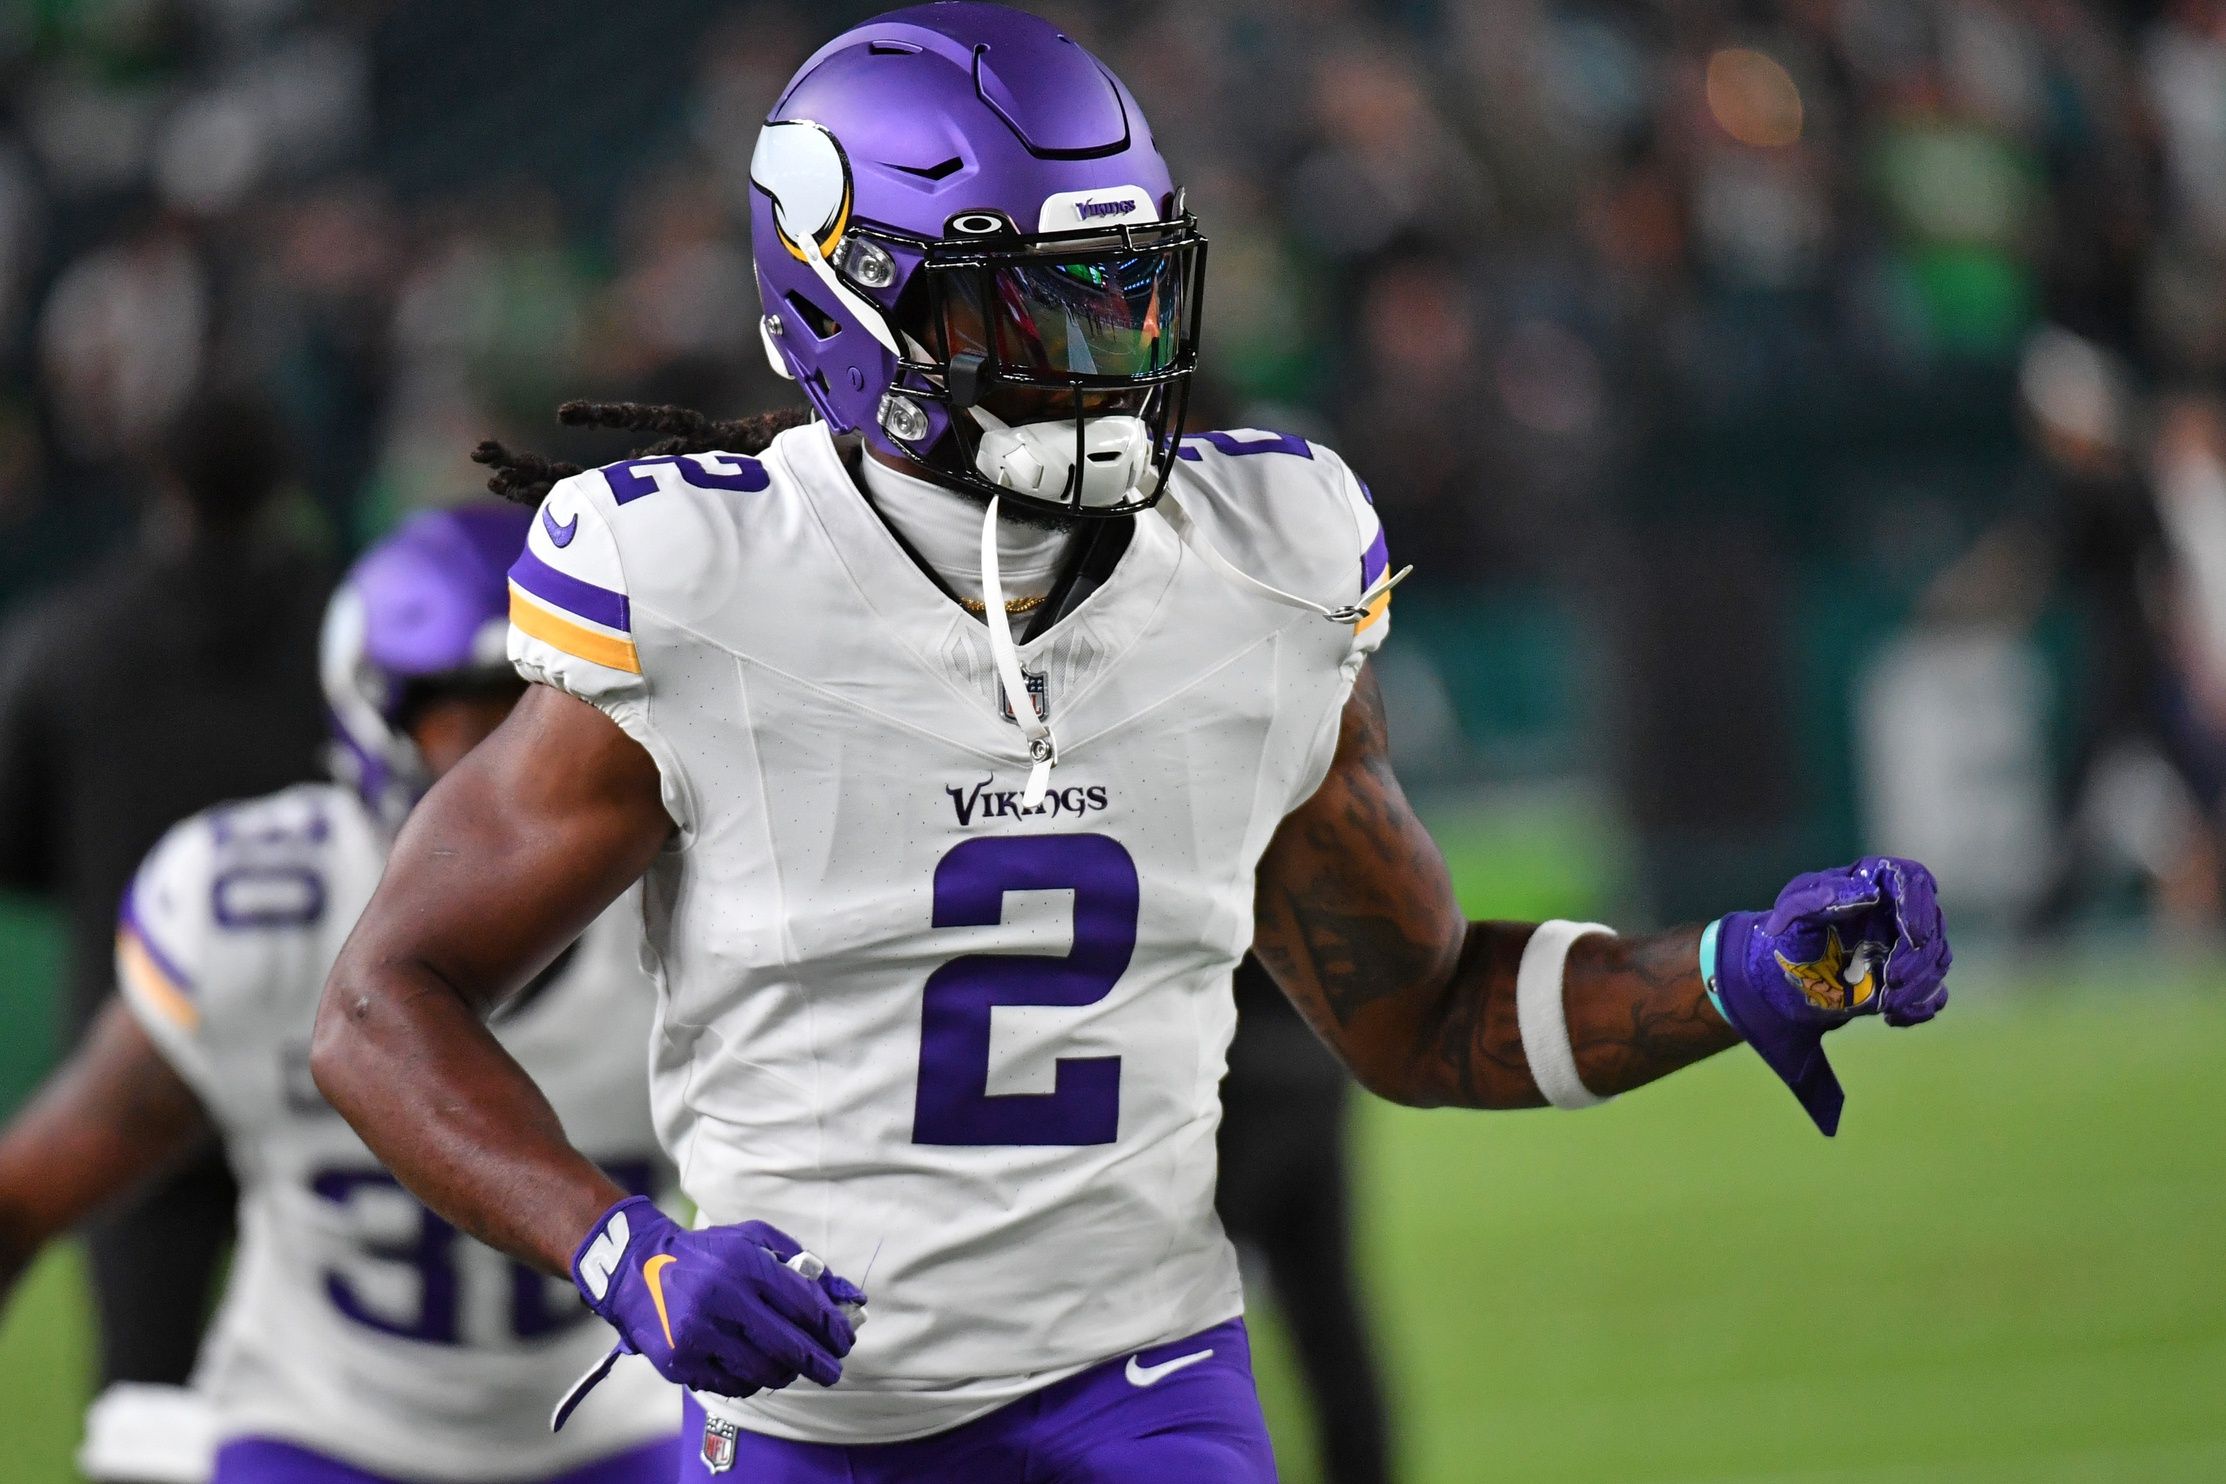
x,y
360,1336
967,738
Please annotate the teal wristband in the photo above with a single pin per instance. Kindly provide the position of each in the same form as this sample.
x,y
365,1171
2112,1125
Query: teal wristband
x,y
1708,966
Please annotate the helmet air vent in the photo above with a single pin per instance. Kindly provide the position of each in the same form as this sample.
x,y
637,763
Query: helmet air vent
x,y
940,170
1052,94
817,320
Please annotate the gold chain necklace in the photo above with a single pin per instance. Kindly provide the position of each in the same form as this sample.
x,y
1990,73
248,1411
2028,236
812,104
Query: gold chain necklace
x,y
1014,606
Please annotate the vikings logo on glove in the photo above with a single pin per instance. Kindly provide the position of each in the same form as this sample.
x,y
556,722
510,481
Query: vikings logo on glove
x,y
1837,981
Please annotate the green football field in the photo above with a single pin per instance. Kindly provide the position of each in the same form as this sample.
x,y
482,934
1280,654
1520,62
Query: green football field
x,y
2010,1266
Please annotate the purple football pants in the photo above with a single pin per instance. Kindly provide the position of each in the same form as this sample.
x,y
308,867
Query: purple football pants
x,y
1151,1418
267,1461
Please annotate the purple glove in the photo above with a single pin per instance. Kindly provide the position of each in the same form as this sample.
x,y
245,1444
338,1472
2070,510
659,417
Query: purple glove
x,y
1867,939
731,1310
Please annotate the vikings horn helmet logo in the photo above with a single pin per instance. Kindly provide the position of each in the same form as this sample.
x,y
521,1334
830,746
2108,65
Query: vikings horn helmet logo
x,y
799,165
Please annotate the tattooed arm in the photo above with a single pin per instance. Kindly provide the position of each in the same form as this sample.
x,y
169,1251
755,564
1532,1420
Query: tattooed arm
x,y
1356,919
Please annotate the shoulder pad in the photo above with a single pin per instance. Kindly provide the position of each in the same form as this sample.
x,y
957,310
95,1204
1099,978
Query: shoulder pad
x,y
230,909
1294,511
163,928
570,607
656,533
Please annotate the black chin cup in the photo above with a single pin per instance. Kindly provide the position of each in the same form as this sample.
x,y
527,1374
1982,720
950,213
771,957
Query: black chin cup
x,y
962,379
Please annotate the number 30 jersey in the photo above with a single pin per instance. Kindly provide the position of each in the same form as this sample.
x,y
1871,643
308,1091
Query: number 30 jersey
x,y
967,1051
355,1323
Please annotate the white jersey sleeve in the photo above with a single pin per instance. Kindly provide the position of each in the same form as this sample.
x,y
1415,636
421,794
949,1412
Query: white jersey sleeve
x,y
214,915
571,613
161,939
1292,513
1375,557
580,594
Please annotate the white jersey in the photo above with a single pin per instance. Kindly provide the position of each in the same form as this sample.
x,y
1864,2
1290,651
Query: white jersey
x,y
355,1322
968,1054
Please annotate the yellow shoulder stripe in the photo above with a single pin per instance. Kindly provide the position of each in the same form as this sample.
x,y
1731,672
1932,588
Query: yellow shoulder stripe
x,y
1376,611
145,979
574,639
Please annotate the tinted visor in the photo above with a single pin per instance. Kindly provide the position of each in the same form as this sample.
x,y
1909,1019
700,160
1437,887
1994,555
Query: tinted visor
x,y
1115,314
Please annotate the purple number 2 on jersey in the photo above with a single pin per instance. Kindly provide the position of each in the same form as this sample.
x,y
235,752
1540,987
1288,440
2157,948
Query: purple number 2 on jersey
x,y
635,478
953,1104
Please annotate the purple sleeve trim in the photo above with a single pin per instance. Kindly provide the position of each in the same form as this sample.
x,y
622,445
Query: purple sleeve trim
x,y
596,604
1238,448
130,920
1373,561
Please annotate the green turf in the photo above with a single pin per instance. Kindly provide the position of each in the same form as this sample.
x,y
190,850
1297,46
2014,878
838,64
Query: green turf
x,y
1530,855
2011,1255
45,1349
2010,1266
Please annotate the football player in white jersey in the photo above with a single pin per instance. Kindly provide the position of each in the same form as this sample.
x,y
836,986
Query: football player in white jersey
x,y
967,736
361,1338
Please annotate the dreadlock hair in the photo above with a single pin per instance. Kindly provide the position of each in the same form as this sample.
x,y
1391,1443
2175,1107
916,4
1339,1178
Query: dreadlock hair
x,y
526,477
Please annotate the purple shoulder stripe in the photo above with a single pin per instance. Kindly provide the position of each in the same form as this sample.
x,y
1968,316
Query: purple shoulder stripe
x,y
596,604
129,919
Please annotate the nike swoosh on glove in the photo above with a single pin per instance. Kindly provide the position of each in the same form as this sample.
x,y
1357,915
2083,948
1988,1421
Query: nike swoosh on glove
x,y
1867,939
731,1310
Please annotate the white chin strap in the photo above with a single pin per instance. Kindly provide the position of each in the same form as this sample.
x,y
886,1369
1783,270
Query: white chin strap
x,y
1039,458
1043,748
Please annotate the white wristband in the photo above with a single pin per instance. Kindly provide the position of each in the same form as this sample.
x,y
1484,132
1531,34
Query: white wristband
x,y
1538,1012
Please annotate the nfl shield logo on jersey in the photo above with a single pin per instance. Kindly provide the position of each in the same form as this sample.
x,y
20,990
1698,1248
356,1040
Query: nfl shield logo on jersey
x,y
718,1444
1039,695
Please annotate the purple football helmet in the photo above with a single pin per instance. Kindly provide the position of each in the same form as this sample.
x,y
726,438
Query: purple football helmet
x,y
430,603
971,253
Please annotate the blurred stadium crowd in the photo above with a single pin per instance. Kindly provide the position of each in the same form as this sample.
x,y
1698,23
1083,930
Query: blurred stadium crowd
x,y
1688,333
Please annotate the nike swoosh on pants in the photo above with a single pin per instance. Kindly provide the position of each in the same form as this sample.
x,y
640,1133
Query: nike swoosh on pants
x,y
1140,1374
